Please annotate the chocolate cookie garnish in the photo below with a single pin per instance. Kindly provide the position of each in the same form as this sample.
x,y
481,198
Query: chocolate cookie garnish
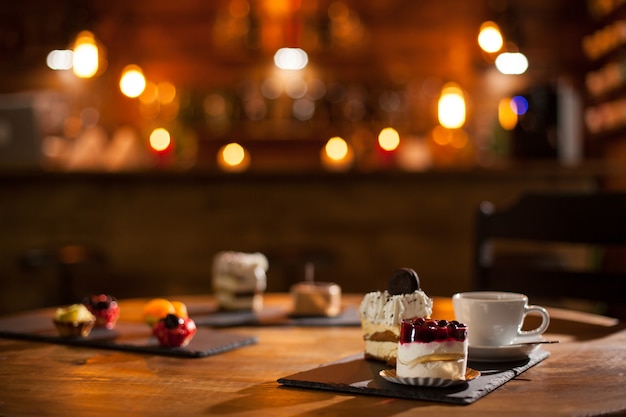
x,y
403,281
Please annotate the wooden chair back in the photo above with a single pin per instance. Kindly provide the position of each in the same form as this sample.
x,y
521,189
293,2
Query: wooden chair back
x,y
591,226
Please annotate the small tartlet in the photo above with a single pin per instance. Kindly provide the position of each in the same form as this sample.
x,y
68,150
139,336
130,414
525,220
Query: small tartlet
x,y
74,321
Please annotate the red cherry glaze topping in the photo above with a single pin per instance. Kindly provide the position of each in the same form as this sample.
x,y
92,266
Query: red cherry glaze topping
x,y
419,329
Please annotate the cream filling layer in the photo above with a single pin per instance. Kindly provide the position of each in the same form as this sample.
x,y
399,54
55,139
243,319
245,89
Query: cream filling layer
x,y
439,359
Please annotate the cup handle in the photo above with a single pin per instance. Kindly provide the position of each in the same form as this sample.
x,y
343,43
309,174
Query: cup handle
x,y
545,321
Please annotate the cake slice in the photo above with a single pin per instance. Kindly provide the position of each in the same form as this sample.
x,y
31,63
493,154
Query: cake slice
x,y
432,349
239,280
381,314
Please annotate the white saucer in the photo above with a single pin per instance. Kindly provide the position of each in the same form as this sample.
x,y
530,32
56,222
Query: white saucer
x,y
390,375
513,352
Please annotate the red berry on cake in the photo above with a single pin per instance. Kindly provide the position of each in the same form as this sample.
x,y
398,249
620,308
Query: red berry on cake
x,y
174,331
105,308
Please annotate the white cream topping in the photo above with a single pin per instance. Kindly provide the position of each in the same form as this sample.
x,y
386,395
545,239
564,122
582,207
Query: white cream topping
x,y
380,307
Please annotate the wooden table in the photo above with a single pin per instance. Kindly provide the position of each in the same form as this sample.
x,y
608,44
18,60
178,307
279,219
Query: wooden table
x,y
585,375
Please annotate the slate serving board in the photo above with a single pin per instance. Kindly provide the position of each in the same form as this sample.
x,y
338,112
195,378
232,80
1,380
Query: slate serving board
x,y
356,375
130,337
276,317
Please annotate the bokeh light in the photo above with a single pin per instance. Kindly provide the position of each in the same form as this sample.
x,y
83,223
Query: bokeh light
x,y
336,148
388,139
519,105
233,157
85,58
303,109
132,82
60,59
512,63
160,139
507,117
166,92
337,155
292,59
451,107
489,38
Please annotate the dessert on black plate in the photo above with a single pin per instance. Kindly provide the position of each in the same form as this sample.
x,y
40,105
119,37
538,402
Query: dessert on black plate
x,y
74,321
105,308
174,331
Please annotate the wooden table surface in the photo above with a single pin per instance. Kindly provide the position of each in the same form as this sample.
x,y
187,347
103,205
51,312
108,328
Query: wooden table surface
x,y
585,375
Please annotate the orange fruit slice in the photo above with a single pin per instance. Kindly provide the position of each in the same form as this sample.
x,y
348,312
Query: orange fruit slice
x,y
180,309
156,309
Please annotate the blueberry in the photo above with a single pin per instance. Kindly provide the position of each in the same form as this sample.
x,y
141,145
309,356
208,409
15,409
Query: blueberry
x,y
172,321
102,305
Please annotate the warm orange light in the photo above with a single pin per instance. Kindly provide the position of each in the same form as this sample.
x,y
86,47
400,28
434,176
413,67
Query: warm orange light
x,y
451,107
442,136
85,56
149,94
160,139
336,148
459,139
388,139
506,114
233,157
167,92
132,82
455,138
490,38
337,155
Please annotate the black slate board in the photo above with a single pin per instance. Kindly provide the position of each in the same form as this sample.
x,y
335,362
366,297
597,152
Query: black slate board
x,y
356,375
276,317
130,337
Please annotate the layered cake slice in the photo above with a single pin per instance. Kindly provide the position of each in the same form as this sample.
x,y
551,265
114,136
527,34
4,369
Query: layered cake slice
x,y
239,280
432,349
381,314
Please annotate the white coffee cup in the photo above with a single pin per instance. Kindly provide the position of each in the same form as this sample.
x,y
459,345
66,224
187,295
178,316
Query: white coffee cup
x,y
495,318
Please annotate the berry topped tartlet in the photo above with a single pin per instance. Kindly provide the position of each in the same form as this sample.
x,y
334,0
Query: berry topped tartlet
x,y
105,308
158,308
174,331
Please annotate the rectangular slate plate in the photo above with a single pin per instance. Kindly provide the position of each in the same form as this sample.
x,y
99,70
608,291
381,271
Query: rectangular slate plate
x,y
276,317
356,375
131,337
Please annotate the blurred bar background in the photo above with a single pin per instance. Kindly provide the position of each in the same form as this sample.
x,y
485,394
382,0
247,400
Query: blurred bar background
x,y
138,139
